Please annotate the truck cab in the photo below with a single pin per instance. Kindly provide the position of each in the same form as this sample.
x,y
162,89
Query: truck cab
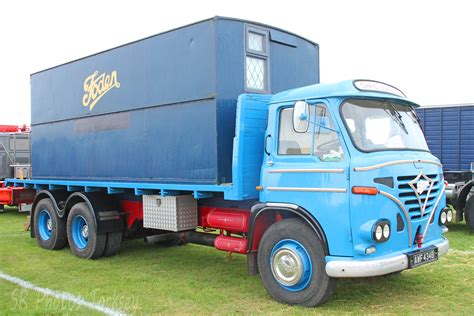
x,y
353,157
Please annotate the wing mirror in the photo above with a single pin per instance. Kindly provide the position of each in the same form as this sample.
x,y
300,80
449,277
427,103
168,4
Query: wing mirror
x,y
300,117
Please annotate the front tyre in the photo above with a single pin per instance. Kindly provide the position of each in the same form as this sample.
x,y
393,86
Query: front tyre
x,y
82,235
292,266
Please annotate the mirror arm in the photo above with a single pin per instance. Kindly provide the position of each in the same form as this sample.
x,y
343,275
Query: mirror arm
x,y
322,126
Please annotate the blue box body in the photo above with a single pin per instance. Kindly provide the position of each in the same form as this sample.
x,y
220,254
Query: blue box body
x,y
169,116
449,132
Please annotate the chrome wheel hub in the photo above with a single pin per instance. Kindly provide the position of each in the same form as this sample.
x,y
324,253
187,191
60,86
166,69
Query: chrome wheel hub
x,y
85,231
49,224
287,266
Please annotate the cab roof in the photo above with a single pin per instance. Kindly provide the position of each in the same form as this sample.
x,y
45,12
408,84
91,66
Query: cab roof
x,y
349,88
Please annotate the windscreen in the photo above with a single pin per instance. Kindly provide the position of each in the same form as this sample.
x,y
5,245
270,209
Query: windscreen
x,y
376,125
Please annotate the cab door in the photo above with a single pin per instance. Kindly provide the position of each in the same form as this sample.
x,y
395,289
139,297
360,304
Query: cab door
x,y
310,168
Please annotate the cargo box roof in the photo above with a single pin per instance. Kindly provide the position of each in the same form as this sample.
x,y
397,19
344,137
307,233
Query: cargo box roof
x,y
177,28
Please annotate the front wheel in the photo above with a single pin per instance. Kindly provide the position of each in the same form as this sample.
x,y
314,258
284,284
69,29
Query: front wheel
x,y
291,264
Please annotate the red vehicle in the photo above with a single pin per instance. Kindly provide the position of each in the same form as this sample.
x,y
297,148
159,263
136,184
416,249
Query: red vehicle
x,y
14,162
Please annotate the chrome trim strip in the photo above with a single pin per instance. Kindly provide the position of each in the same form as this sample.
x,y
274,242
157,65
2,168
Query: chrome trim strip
x,y
306,171
434,210
335,190
374,267
402,207
396,162
287,205
427,198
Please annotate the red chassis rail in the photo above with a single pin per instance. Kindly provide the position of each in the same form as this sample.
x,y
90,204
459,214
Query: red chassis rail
x,y
15,195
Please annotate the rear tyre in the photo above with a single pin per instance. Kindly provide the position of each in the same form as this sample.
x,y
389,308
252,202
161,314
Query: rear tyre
x,y
113,243
50,229
291,264
82,234
469,213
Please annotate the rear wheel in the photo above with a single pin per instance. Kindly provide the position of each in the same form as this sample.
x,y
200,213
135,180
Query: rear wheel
x,y
82,234
291,264
50,229
469,213
113,243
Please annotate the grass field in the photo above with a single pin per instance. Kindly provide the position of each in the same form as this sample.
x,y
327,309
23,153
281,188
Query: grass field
x,y
146,279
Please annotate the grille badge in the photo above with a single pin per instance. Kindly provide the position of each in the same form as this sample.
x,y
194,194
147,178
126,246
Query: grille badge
x,y
419,185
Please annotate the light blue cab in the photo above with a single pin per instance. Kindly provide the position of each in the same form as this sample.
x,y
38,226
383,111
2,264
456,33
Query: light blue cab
x,y
353,155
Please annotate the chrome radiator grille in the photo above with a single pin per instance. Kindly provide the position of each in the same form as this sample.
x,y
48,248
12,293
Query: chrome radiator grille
x,y
415,202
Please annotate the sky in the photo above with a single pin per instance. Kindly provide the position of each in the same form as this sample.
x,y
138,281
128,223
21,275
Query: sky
x,y
425,48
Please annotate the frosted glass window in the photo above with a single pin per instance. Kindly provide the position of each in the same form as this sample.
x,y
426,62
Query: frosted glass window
x,y
255,73
256,42
257,59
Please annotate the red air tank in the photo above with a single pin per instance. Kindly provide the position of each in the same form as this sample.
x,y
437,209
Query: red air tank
x,y
234,220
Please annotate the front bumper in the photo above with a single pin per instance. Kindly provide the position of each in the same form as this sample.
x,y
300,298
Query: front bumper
x,y
375,267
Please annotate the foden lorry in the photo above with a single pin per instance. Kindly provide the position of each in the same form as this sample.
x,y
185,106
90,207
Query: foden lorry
x,y
219,134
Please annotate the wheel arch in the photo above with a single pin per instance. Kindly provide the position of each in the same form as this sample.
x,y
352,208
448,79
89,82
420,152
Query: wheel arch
x,y
261,218
57,197
461,200
107,215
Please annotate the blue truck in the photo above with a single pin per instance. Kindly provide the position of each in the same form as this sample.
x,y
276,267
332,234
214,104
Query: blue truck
x,y
449,133
219,133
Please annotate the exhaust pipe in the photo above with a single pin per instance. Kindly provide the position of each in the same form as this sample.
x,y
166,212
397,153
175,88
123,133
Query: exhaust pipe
x,y
155,239
191,237
199,238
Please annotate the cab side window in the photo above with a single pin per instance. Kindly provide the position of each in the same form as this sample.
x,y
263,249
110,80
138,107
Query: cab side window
x,y
289,141
327,146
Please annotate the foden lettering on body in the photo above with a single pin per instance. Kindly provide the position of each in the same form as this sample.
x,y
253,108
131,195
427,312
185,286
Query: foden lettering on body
x,y
95,86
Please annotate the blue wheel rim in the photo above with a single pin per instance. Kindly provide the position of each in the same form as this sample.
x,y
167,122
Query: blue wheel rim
x,y
45,224
80,232
291,265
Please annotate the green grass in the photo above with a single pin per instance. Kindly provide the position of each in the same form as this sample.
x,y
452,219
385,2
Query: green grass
x,y
16,300
146,279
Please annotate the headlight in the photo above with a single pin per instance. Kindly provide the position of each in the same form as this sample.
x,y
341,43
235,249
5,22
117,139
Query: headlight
x,y
386,231
381,231
378,233
449,216
443,217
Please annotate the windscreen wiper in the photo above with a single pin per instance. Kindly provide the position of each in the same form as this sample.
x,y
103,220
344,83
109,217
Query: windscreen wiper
x,y
397,117
415,116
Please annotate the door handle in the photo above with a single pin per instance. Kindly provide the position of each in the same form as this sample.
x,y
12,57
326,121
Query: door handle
x,y
266,145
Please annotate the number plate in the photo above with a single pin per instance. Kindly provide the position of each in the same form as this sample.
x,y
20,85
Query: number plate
x,y
418,258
